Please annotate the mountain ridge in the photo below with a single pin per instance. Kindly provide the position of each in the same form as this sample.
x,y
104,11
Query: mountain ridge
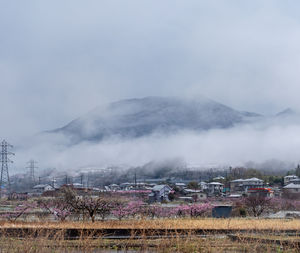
x,y
137,117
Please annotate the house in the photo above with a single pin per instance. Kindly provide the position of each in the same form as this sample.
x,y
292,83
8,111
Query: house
x,y
295,181
277,192
215,188
203,186
236,185
196,194
289,178
41,188
126,186
114,187
219,178
261,192
136,186
252,183
235,196
77,185
160,193
242,185
180,186
291,191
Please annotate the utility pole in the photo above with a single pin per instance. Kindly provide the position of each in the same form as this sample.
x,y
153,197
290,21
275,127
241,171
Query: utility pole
x,y
81,180
5,182
135,184
32,166
87,181
53,182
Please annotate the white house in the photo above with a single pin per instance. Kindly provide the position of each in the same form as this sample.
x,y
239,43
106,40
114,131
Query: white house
x,y
289,178
41,188
215,188
203,186
114,187
219,178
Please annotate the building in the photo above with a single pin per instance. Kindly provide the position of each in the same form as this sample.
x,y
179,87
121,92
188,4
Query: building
x,y
242,185
195,194
215,189
289,178
41,188
236,185
219,178
291,191
295,181
222,211
160,193
114,187
261,192
180,186
235,196
203,186
136,186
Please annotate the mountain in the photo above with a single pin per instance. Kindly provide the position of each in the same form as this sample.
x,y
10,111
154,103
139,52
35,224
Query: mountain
x,y
133,118
286,112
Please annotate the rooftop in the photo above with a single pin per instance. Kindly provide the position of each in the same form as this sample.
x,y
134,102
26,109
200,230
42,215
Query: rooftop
x,y
40,186
291,176
247,180
215,183
292,186
159,187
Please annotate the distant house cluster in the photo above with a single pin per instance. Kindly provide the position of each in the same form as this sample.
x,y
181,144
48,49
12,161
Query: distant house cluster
x,y
166,190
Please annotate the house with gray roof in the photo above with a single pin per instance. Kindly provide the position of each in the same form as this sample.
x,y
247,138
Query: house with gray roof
x,y
242,185
160,193
291,191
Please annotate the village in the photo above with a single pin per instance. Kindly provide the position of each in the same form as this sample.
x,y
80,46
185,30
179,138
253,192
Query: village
x,y
159,191
221,193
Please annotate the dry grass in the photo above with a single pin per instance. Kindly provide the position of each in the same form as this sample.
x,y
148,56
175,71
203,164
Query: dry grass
x,y
187,245
207,223
49,241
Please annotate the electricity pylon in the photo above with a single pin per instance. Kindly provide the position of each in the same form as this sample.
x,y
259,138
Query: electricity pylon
x,y
32,166
5,182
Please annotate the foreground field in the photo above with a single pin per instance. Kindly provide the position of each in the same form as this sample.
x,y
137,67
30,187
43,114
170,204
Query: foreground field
x,y
171,235
187,245
205,223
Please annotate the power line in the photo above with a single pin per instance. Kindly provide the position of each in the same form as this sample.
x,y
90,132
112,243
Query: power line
x,y
5,182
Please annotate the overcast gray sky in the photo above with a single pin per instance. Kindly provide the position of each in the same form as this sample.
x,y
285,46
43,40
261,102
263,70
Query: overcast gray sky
x,y
59,59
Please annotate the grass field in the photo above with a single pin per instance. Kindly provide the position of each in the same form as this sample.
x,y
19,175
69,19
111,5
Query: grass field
x,y
204,223
39,241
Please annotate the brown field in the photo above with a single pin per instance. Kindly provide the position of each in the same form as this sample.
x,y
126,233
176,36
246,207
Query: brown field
x,y
204,223
41,241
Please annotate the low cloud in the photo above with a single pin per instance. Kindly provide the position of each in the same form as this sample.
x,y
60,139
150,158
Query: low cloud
x,y
255,145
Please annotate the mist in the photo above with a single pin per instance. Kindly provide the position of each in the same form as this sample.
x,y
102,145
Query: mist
x,y
265,145
60,60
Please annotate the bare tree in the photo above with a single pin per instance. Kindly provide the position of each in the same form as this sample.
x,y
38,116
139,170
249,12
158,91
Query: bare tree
x,y
257,205
89,205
